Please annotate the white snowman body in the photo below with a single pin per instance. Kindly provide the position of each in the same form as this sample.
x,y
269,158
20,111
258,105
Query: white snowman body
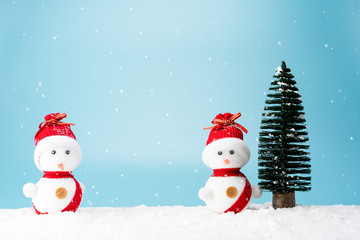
x,y
55,155
218,201
45,198
221,192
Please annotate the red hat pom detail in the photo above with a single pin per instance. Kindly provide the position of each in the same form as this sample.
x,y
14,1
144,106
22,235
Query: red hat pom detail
x,y
225,126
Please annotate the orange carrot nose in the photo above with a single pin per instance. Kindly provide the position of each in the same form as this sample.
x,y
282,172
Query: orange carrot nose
x,y
226,161
61,166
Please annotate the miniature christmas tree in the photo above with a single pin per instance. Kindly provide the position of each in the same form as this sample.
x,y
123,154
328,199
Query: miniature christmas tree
x,y
284,164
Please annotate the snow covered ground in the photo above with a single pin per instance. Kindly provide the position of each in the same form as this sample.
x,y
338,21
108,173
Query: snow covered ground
x,y
177,222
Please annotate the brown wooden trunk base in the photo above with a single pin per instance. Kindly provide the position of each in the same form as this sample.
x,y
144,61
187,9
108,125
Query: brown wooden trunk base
x,y
283,200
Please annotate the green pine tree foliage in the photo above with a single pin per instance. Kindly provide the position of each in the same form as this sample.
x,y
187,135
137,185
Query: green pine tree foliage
x,y
284,162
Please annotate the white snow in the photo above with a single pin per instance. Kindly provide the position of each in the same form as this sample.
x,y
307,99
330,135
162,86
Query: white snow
x,y
177,222
283,84
278,71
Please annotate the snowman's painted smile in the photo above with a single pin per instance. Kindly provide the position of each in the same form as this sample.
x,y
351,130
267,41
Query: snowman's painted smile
x,y
61,166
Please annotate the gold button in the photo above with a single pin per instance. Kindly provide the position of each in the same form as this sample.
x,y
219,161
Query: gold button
x,y
61,193
231,192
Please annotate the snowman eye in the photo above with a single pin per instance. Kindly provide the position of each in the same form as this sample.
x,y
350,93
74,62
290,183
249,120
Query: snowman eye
x,y
67,152
53,152
231,151
219,152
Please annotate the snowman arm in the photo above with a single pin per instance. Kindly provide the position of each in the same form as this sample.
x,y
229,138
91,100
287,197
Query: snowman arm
x,y
205,194
256,191
29,190
82,187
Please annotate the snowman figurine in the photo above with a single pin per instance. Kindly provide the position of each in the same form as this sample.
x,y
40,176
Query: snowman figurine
x,y
57,154
228,189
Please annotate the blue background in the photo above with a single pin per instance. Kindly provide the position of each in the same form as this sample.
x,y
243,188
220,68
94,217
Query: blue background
x,y
142,78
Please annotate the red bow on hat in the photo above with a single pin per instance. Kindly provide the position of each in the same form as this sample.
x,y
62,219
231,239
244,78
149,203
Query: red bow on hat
x,y
54,118
226,119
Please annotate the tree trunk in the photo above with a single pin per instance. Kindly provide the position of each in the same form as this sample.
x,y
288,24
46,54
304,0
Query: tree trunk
x,y
283,200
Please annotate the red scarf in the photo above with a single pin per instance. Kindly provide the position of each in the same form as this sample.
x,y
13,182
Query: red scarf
x,y
75,201
245,196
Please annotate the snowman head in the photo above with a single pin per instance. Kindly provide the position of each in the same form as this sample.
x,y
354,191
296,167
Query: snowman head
x,y
56,146
225,147
226,153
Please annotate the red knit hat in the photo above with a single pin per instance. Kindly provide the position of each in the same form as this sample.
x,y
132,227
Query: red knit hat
x,y
52,134
53,126
225,127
